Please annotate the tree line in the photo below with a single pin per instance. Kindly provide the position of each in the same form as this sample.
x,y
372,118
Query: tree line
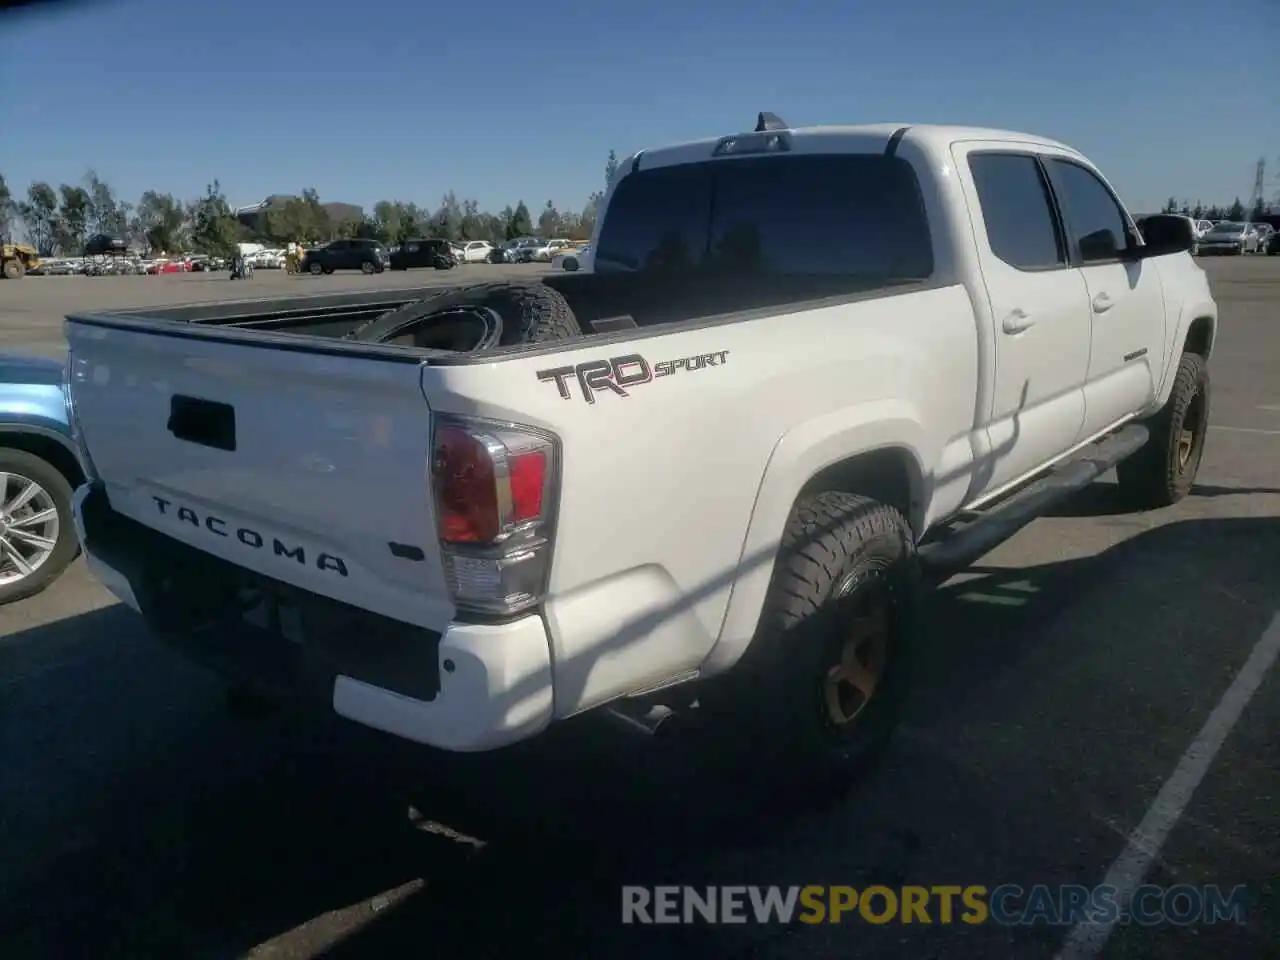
x,y
60,220
1198,211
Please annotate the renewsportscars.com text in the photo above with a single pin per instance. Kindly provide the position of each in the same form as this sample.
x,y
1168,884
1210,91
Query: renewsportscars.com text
x,y
1007,905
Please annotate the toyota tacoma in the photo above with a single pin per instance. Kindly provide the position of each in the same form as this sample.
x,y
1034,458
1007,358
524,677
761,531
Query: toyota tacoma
x,y
808,364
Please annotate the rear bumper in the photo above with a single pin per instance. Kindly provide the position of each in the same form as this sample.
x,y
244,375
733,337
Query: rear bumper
x,y
473,687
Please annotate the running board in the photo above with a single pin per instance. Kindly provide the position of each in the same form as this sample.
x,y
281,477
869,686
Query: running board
x,y
992,525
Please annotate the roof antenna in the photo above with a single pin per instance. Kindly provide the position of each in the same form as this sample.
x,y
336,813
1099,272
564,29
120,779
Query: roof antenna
x,y
769,121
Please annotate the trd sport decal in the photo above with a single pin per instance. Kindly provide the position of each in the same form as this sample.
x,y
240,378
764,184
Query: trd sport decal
x,y
620,374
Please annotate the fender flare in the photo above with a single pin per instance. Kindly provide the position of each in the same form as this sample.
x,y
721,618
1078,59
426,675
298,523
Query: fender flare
x,y
798,456
1190,313
46,428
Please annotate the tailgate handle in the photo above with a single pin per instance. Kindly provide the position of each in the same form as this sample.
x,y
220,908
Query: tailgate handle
x,y
206,422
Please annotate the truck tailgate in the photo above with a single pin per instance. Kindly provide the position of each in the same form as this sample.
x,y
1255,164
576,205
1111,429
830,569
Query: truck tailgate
x,y
304,466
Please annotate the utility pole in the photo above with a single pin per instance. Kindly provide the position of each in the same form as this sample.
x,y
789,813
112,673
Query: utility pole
x,y
1258,197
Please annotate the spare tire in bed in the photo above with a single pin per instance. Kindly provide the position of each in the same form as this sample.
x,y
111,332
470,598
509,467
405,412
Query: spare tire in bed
x,y
511,313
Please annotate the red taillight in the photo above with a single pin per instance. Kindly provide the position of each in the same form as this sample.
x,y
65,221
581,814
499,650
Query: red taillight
x,y
528,475
494,490
487,481
466,493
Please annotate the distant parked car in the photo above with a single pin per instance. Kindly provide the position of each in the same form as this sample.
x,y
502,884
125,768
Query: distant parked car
x,y
1266,234
574,259
428,252
509,252
476,251
546,250
105,245
39,469
525,251
1230,236
367,256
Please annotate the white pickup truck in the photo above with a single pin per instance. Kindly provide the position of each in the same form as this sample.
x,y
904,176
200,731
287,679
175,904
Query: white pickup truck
x,y
809,364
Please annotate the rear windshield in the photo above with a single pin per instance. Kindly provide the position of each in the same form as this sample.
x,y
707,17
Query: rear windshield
x,y
858,216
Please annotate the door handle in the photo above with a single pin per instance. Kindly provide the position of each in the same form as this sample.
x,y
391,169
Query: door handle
x,y
205,422
1101,303
1017,321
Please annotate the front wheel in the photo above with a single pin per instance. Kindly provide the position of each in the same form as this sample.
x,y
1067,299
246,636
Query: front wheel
x,y
1163,470
315,269
37,533
823,684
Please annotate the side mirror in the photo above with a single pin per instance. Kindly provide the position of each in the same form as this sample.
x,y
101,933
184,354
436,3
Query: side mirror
x,y
1164,234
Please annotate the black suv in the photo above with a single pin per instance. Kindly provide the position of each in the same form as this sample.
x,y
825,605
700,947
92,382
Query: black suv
x,y
423,253
367,256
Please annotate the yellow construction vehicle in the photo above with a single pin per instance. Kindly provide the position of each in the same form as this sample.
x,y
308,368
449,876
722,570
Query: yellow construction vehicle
x,y
16,259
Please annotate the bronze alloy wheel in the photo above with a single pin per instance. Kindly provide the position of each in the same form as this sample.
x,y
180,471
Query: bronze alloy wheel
x,y
1193,426
850,684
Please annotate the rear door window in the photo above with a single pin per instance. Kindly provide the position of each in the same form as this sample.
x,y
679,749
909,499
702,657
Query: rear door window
x,y
1016,208
856,216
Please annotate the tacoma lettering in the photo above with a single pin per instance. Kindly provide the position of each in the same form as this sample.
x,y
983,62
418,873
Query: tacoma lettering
x,y
250,538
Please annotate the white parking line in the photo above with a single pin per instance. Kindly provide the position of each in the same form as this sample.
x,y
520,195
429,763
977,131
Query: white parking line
x,y
1127,873
1273,433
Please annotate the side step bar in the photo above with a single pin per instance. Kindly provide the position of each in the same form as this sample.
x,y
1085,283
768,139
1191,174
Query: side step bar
x,y
993,525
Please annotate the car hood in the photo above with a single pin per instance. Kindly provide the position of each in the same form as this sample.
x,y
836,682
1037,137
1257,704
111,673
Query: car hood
x,y
20,368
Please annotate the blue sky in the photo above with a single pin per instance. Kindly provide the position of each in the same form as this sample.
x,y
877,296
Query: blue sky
x,y
503,100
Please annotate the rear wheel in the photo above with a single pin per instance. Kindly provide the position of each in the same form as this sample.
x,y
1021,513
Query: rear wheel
x,y
13,269
37,533
1164,470
822,686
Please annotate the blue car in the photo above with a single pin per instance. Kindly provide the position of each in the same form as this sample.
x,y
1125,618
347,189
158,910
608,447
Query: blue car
x,y
39,469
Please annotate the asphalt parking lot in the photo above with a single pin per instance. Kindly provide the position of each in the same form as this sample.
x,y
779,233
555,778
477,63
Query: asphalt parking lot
x,y
1072,690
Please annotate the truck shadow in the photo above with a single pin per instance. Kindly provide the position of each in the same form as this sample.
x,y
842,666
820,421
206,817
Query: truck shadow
x,y
230,835
1103,499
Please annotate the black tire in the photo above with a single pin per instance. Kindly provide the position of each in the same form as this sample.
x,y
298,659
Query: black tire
x,y
315,268
530,313
368,268
840,552
23,464
1164,470
13,269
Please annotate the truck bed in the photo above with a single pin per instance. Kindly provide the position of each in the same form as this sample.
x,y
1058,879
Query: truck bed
x,y
652,305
